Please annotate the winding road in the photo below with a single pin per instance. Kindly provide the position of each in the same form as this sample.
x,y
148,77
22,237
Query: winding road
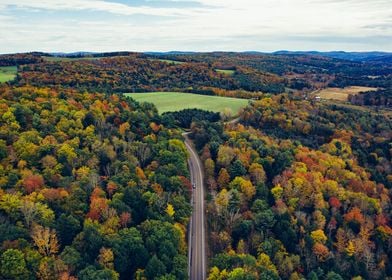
x,y
197,249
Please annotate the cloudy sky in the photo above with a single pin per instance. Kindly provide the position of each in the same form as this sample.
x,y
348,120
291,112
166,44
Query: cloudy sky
x,y
195,25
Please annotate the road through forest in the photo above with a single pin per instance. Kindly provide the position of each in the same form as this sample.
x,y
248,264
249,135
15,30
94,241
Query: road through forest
x,y
197,249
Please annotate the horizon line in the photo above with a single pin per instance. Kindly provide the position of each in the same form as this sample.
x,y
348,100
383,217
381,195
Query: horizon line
x,y
195,51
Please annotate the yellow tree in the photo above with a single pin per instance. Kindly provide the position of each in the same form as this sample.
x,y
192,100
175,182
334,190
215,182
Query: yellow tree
x,y
248,189
209,166
224,178
277,192
216,274
170,210
225,156
257,173
45,239
319,236
106,258
124,127
222,200
265,261
319,219
140,173
245,186
241,247
350,249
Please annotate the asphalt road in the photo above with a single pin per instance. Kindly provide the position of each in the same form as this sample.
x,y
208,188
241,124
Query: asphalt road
x,y
197,250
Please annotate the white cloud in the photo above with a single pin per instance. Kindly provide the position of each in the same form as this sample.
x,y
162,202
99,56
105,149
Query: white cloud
x,y
216,25
92,5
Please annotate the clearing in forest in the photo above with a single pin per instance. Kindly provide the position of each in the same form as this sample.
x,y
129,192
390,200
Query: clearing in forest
x,y
341,94
169,61
7,73
176,101
226,72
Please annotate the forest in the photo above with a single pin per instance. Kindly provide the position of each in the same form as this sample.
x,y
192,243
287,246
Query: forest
x,y
294,196
88,183
311,71
382,97
94,185
134,73
250,74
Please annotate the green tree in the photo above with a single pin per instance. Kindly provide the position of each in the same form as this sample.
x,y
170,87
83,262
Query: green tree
x,y
13,264
3,149
71,257
264,220
240,274
67,228
333,276
154,268
92,272
237,169
128,245
180,264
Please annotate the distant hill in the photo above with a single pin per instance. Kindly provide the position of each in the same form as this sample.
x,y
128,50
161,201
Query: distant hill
x,y
169,53
73,54
353,56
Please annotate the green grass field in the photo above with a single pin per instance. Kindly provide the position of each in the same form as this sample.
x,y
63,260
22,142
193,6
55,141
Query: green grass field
x,y
226,72
7,73
176,101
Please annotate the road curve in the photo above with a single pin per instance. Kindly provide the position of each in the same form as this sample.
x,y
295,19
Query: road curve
x,y
197,249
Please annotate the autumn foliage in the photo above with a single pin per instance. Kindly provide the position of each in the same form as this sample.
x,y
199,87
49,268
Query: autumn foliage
x,y
86,180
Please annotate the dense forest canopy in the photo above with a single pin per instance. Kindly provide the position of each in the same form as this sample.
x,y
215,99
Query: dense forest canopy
x,y
137,74
316,70
289,194
88,183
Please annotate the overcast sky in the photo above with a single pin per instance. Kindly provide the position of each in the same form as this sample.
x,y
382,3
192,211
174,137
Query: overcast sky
x,y
195,25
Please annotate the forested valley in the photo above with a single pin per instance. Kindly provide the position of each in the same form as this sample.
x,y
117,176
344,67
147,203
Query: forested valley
x,y
94,185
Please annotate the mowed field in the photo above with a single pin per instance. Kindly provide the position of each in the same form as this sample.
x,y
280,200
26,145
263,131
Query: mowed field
x,y
341,94
7,73
176,101
226,72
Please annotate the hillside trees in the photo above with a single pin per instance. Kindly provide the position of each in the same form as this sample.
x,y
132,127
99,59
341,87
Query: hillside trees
x,y
304,210
133,73
89,183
